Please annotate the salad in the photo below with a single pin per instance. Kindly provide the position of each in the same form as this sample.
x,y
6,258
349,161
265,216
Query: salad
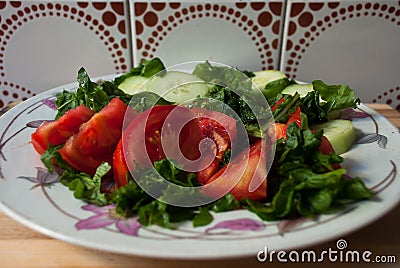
x,y
171,146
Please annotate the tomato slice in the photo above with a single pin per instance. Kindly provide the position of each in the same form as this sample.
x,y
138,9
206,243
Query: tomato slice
x,y
162,131
280,131
57,132
254,160
295,118
120,168
326,148
97,138
281,100
221,129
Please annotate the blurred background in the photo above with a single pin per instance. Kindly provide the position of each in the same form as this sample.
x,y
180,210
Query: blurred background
x,y
44,43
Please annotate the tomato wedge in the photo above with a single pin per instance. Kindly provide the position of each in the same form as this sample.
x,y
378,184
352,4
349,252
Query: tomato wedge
x,y
162,131
57,132
281,100
255,171
280,131
97,138
221,129
120,168
295,118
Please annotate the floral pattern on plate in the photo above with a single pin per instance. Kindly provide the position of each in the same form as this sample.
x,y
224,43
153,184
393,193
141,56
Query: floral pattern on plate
x,y
89,225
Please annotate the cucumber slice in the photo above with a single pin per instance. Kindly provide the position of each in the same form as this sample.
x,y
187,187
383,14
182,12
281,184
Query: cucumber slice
x,y
302,89
174,86
177,86
340,133
133,84
262,78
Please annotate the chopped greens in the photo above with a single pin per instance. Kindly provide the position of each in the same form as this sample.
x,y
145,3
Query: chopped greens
x,y
97,95
86,187
302,180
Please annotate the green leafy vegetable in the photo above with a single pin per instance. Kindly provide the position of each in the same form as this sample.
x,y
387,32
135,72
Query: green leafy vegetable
x,y
147,68
204,217
130,198
52,156
308,184
302,180
97,95
338,97
85,187
226,203
93,95
274,88
234,88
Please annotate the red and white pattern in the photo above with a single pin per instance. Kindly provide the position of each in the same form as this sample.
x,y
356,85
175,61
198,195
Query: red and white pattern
x,y
355,42
241,34
42,44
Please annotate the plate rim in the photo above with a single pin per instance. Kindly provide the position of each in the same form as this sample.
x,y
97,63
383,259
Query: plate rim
x,y
148,253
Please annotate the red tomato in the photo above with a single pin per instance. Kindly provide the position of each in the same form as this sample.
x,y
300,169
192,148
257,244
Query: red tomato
x,y
57,132
281,100
145,137
220,128
120,168
205,174
254,171
97,139
295,118
280,130
325,147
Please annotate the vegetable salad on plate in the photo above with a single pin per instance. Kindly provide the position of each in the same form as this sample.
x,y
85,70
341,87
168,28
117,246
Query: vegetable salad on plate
x,y
170,146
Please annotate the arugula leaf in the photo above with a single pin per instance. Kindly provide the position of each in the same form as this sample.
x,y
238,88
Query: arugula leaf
x,y
152,67
355,189
311,106
338,97
169,171
147,68
130,198
85,187
274,88
51,156
234,88
308,194
229,77
226,203
164,215
154,213
304,180
94,96
204,217
97,95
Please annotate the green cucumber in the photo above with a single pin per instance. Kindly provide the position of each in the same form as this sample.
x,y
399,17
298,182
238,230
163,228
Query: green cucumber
x,y
302,89
133,84
178,87
262,78
173,86
340,133
270,82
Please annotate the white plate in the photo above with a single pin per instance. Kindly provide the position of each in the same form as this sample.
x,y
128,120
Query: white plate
x,y
54,211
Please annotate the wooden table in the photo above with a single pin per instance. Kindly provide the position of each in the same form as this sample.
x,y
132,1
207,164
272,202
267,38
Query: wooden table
x,y
23,247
